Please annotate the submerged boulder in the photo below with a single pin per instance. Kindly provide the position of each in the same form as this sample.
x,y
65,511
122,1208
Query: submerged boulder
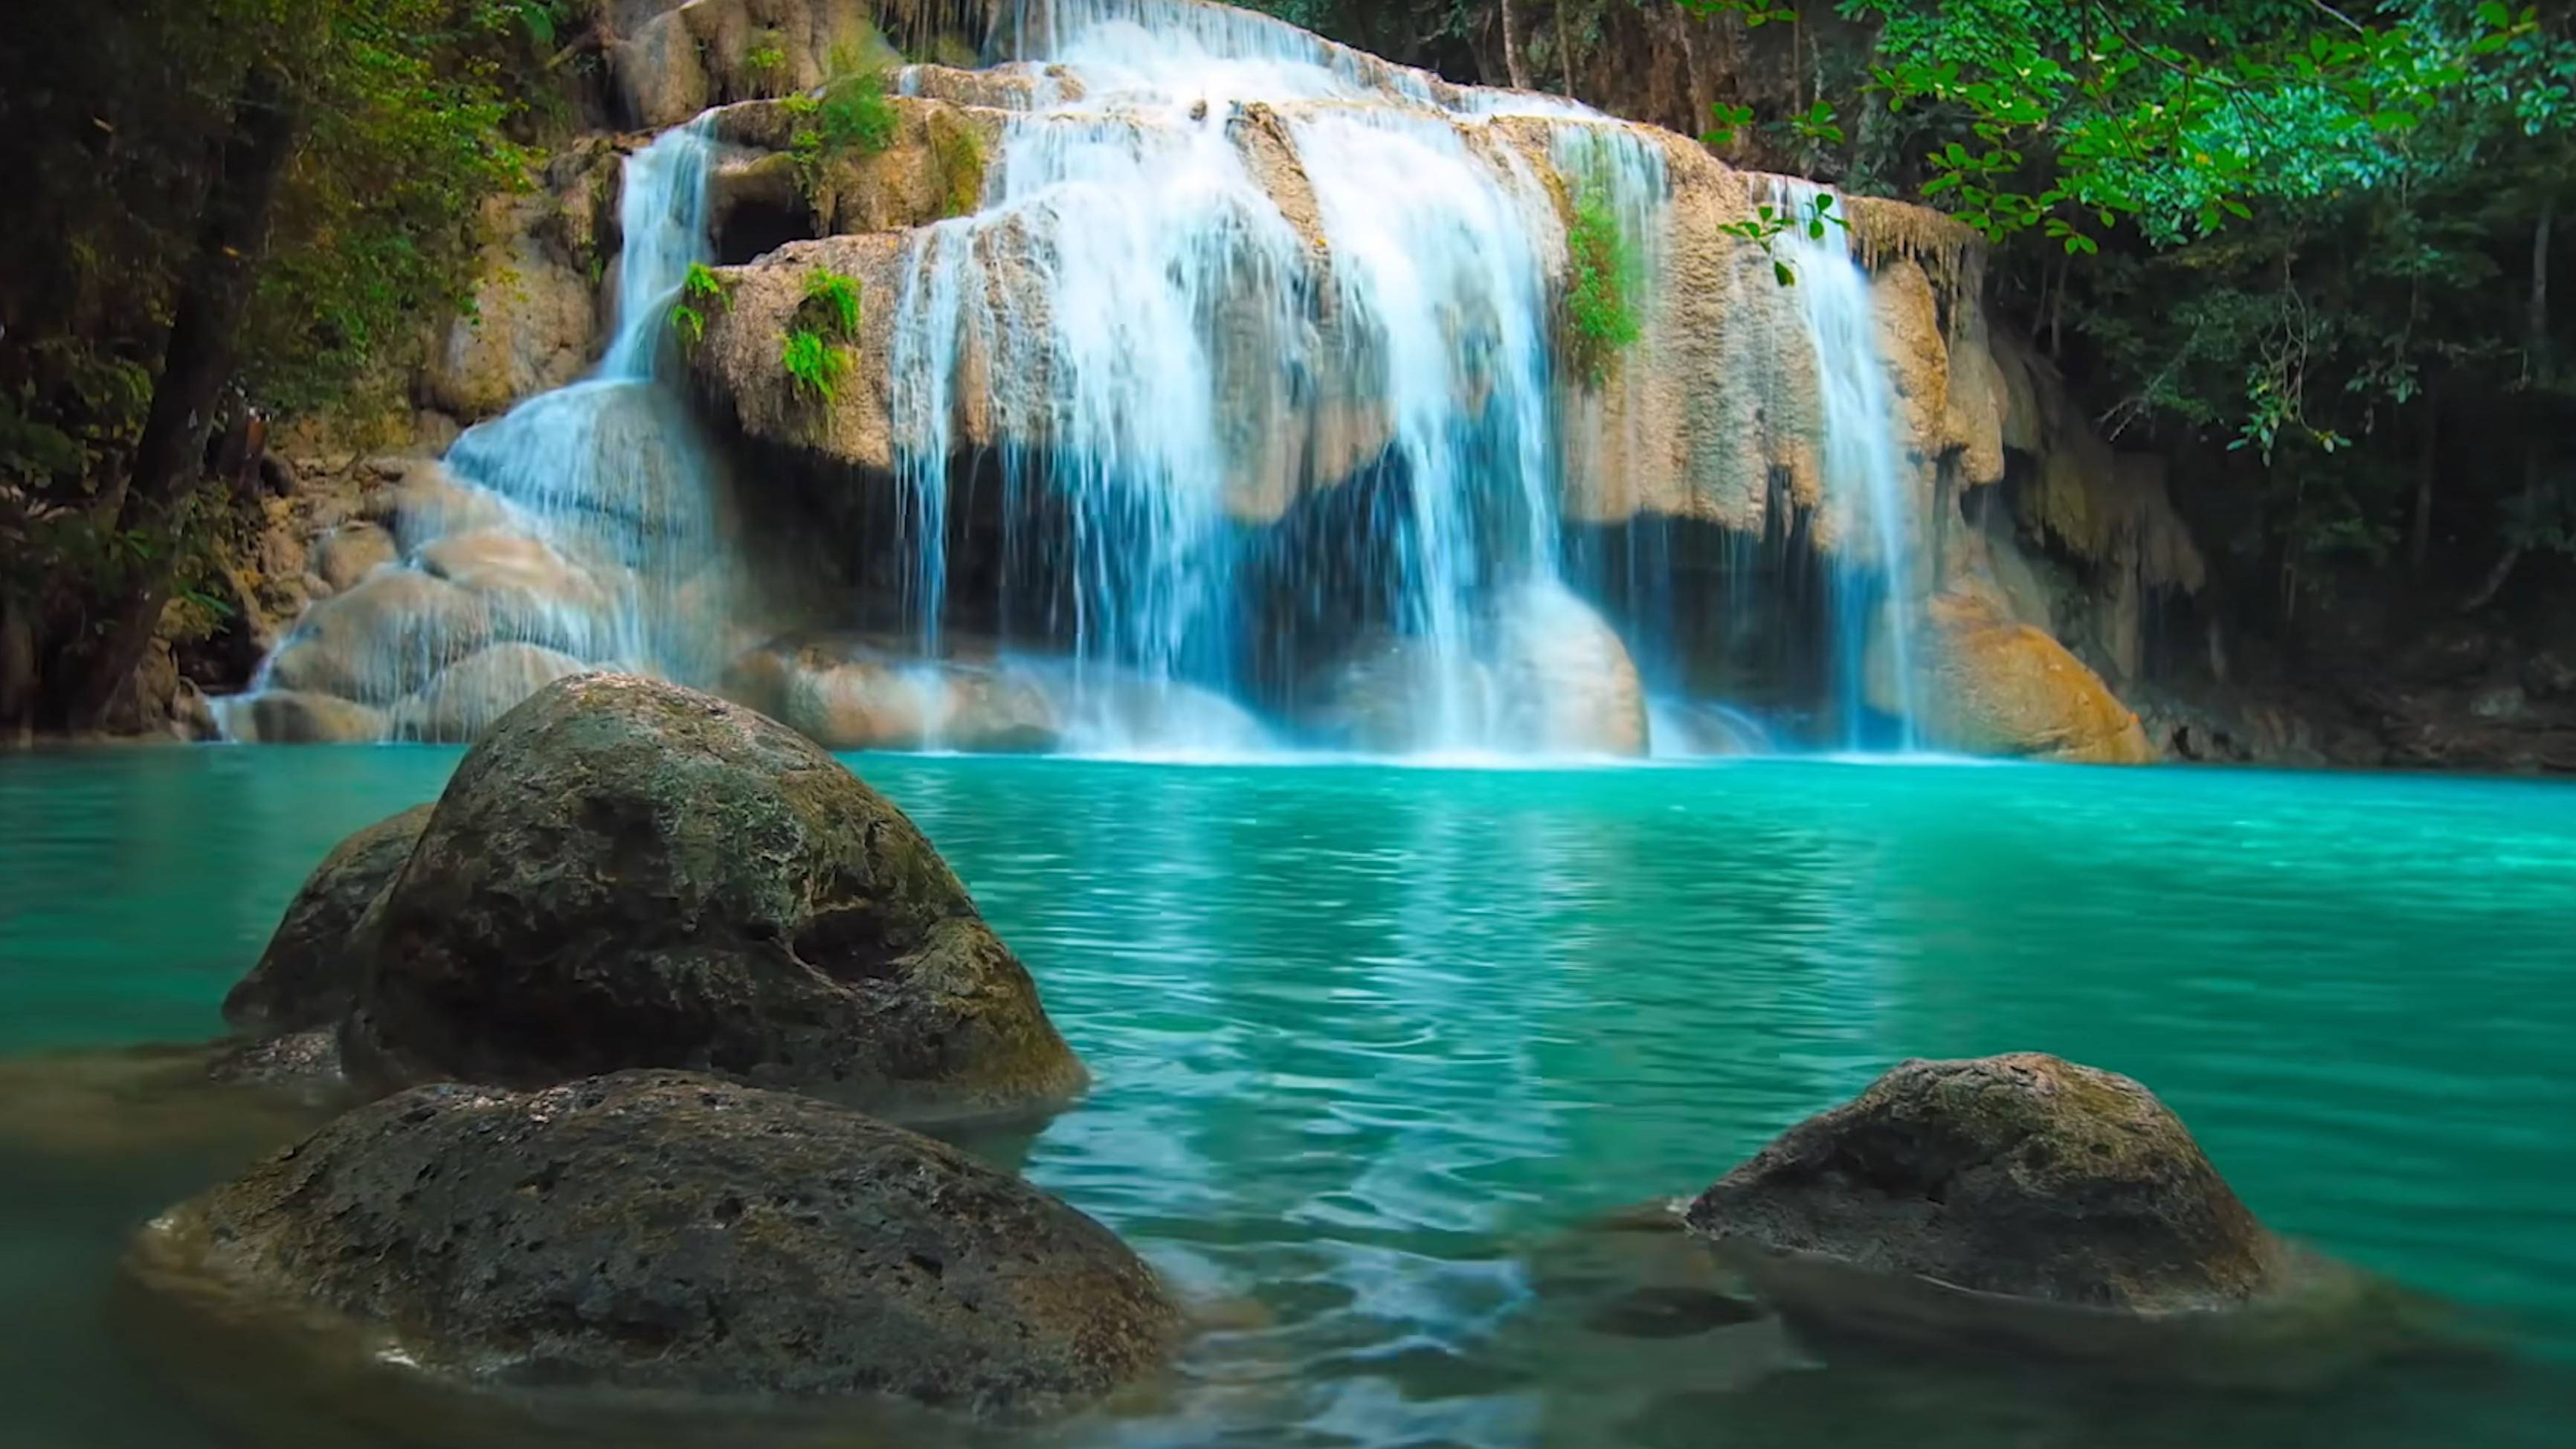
x,y
860,699
625,873
661,1231
308,975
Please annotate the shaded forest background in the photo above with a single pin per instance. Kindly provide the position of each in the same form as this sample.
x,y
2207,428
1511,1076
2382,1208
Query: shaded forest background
x,y
2304,253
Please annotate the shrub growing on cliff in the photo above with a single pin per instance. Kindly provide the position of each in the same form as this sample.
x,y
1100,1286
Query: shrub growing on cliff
x,y
832,304
816,356
851,115
1602,279
764,61
815,367
702,293
958,151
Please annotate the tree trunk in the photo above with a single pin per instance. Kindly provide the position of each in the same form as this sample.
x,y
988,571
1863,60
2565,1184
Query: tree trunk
x,y
1515,68
212,299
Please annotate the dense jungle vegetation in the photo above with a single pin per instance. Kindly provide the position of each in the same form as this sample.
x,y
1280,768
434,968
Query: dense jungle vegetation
x,y
2305,251
223,209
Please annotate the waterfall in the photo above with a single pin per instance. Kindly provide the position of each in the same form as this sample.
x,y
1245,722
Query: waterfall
x,y
580,530
1865,472
1241,406
1188,331
611,471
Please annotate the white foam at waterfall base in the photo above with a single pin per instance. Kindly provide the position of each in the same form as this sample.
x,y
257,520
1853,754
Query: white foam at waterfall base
x,y
1866,477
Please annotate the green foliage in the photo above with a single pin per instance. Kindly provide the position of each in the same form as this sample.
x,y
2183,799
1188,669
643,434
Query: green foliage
x,y
857,116
1604,276
831,305
815,366
816,354
408,115
1764,227
764,60
851,116
702,293
957,149
2177,116
690,324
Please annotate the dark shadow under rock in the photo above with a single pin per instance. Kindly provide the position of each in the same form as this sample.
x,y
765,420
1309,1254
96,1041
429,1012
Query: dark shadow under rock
x,y
308,976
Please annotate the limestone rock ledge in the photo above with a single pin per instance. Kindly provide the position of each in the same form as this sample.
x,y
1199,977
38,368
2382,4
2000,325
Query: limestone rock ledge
x,y
1706,417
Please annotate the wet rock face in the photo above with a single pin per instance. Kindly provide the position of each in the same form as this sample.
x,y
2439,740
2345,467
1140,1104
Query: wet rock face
x,y
2021,1175
662,1231
308,975
1985,685
630,874
1554,679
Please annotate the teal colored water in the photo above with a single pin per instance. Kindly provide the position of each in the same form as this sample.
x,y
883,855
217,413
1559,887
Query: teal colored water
x,y
1372,1043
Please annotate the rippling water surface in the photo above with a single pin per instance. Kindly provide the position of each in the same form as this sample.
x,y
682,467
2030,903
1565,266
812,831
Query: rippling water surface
x,y
1375,1045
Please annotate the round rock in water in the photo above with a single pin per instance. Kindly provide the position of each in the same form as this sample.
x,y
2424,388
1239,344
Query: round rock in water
x,y
2027,1201
2023,1175
308,975
625,873
661,1231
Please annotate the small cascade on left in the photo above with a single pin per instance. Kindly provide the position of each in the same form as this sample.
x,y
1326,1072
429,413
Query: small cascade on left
x,y
582,530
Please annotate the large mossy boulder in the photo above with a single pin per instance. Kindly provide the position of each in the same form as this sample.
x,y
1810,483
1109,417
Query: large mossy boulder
x,y
308,976
625,873
662,1231
2022,1175
2029,1203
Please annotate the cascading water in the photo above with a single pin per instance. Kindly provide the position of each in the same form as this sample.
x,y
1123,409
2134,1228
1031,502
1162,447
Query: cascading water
x,y
582,529
1865,472
1189,326
1246,394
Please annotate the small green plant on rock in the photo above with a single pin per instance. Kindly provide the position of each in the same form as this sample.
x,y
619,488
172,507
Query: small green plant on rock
x,y
815,367
957,148
832,303
816,355
851,115
1603,273
764,61
702,294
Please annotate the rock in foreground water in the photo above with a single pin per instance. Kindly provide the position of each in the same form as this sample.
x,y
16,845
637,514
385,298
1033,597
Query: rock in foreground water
x,y
308,975
2029,1201
625,873
666,1231
2023,1174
